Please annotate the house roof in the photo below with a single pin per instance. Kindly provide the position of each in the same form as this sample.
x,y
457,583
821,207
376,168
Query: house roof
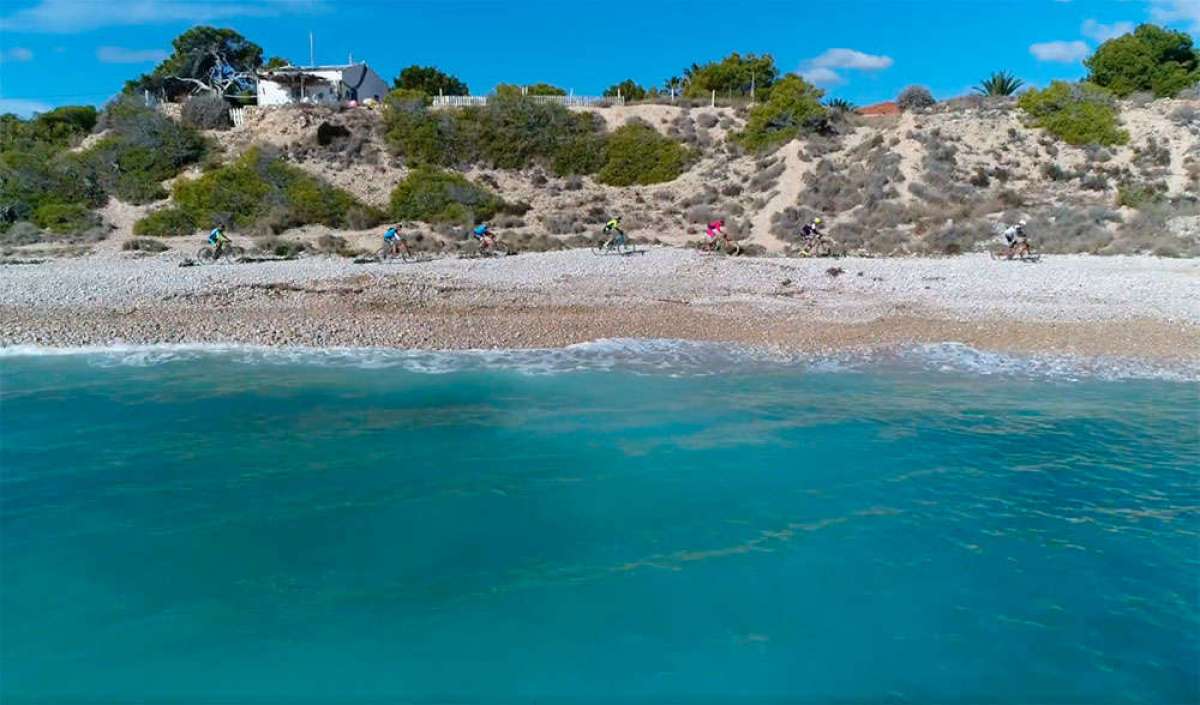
x,y
312,69
885,108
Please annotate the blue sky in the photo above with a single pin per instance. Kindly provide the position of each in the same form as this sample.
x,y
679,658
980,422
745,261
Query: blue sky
x,y
57,52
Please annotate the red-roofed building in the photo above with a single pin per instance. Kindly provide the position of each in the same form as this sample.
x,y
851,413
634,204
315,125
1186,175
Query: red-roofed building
x,y
885,108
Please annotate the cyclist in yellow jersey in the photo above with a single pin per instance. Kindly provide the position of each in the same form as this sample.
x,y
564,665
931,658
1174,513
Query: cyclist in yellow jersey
x,y
613,229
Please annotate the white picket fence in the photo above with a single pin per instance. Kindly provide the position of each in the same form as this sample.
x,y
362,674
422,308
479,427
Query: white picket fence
x,y
584,101
238,116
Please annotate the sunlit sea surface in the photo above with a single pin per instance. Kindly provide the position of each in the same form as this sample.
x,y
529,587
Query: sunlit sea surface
x,y
625,520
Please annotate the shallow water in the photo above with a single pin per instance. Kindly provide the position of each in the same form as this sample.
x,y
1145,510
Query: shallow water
x,y
606,522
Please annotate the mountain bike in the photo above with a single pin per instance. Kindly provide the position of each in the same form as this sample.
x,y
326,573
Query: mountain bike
x,y
386,253
721,246
617,245
819,246
208,253
1022,253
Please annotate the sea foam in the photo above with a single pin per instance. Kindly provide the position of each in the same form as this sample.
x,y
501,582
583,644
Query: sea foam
x,y
642,356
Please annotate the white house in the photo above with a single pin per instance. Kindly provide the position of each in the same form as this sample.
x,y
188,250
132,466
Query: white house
x,y
320,84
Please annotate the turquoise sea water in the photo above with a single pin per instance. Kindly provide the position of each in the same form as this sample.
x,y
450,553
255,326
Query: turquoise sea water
x,y
598,524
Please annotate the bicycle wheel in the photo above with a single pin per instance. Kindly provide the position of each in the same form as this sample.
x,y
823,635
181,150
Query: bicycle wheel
x,y
733,248
499,249
205,254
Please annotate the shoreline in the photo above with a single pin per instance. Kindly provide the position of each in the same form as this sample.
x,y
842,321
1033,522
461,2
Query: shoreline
x,y
1092,307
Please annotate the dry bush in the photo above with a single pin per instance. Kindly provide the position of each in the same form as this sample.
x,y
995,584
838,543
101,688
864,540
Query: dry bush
x,y
1186,116
279,247
765,180
335,245
707,120
1152,157
144,244
1064,229
1149,231
206,112
21,233
958,237
563,223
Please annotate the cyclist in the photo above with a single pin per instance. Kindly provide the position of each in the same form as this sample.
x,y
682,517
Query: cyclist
x,y
218,239
714,229
485,236
1017,239
613,225
812,231
394,241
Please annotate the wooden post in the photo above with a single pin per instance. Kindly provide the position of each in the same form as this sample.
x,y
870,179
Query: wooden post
x,y
714,98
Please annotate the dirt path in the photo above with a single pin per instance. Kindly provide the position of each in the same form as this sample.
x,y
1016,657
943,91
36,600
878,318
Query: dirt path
x,y
910,155
791,181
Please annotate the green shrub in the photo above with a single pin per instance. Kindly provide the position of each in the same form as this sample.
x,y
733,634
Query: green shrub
x,y
36,173
57,127
436,196
64,218
794,106
1151,58
165,222
508,133
144,149
1139,195
1078,114
582,154
638,154
258,192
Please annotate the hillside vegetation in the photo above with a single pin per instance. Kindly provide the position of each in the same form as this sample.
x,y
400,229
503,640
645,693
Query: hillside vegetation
x,y
1101,166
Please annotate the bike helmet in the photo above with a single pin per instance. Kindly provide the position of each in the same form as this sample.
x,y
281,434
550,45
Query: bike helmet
x,y
1022,222
817,220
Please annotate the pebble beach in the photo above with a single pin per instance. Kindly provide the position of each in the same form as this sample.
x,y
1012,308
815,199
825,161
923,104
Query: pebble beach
x,y
1123,306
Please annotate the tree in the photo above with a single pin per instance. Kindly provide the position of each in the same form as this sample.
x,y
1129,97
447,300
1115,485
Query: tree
x,y
430,81
673,85
840,105
205,60
544,89
1150,58
734,75
794,107
999,83
276,62
627,88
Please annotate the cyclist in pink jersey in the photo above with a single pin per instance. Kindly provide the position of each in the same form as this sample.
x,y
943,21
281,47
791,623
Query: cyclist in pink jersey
x,y
715,228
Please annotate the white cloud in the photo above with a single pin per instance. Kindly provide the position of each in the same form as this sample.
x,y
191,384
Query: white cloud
x,y
825,69
67,16
1103,32
850,59
1062,52
22,108
822,76
1184,11
121,55
16,54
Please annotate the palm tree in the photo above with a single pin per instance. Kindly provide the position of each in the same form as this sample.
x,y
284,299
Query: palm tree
x,y
999,83
840,105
